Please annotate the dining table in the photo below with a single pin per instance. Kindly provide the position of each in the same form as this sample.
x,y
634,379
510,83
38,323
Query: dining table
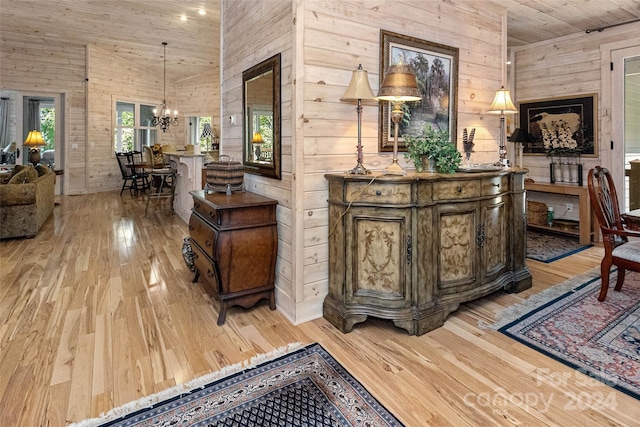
x,y
632,219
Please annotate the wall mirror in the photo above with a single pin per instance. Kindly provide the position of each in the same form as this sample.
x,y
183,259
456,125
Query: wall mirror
x,y
261,118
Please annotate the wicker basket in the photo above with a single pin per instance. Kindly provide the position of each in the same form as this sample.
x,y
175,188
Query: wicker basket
x,y
536,213
225,175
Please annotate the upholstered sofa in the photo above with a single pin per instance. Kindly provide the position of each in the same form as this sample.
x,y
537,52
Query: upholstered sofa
x,y
26,200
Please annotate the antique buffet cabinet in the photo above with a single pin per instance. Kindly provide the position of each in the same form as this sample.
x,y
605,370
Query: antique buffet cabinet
x,y
412,248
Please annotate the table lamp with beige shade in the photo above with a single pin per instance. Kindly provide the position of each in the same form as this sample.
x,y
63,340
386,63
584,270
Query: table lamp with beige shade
x,y
399,86
359,90
33,142
502,105
10,152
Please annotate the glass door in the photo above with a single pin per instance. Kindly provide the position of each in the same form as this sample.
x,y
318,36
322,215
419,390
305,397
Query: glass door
x,y
626,125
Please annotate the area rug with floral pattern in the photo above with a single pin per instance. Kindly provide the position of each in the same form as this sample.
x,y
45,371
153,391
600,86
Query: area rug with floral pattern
x,y
569,324
551,247
304,387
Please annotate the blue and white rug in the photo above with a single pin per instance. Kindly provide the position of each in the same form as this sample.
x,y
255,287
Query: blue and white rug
x,y
306,387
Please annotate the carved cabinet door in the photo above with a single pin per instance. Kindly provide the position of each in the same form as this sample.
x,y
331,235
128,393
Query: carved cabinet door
x,y
378,264
457,225
494,237
472,244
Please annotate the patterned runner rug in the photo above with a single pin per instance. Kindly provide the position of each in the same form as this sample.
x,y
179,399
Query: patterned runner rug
x,y
550,247
567,323
306,387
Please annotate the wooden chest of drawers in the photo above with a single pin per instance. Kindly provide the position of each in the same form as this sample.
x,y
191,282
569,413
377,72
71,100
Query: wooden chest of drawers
x,y
235,243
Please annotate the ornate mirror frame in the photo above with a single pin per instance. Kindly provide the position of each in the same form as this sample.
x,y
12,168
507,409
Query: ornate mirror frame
x,y
261,118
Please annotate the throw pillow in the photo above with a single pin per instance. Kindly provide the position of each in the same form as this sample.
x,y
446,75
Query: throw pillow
x,y
26,175
16,169
41,170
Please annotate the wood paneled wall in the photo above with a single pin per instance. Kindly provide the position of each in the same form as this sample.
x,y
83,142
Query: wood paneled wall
x,y
252,32
91,79
199,96
29,65
112,79
321,42
568,66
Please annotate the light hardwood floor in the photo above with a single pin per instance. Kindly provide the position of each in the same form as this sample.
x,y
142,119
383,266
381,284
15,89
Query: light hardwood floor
x,y
99,310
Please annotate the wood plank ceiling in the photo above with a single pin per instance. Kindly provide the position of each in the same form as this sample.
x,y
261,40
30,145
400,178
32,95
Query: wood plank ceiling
x,y
531,21
132,29
135,29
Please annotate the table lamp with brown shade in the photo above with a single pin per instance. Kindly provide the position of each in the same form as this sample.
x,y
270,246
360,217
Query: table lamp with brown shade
x,y
399,86
33,142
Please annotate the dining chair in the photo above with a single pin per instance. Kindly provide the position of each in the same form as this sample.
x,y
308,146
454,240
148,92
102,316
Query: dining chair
x,y
165,181
129,177
618,249
139,166
155,161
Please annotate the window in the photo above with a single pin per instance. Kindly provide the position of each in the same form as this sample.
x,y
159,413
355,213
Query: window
x,y
196,130
133,126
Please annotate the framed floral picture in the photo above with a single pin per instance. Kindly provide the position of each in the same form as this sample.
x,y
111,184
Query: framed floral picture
x,y
436,69
561,126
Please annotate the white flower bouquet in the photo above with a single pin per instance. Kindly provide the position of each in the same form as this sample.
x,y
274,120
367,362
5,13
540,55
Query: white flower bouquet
x,y
558,139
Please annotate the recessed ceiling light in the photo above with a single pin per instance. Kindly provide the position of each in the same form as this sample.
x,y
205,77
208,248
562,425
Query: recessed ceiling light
x,y
202,12
183,17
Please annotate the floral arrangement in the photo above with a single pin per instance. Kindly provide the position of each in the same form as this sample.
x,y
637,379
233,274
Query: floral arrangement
x,y
558,139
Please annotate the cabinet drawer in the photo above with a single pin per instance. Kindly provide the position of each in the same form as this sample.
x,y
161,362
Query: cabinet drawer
x,y
206,211
456,190
495,185
203,235
206,267
380,193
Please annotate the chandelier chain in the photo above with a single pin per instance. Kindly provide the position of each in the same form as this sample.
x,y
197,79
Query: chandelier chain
x,y
163,117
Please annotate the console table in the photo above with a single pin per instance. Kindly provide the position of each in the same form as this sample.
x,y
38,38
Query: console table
x,y
235,243
584,207
412,248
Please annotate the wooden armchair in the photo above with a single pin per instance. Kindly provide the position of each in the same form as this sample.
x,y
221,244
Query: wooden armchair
x,y
618,250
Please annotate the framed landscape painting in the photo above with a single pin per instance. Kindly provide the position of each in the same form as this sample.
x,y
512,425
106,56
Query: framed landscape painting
x,y
436,69
573,116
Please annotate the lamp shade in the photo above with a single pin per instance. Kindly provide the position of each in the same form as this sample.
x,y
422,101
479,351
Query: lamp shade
x,y
11,148
502,103
399,85
206,130
359,87
34,139
521,135
257,138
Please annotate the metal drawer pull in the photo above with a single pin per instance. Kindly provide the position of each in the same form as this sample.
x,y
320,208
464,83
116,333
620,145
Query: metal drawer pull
x,y
378,192
459,189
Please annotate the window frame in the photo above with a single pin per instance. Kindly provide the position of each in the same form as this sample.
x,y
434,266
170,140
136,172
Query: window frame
x,y
138,129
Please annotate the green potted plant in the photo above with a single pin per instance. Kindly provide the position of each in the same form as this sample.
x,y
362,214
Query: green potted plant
x,y
432,147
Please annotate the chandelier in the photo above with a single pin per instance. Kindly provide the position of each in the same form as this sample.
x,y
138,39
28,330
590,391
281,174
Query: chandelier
x,y
163,118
